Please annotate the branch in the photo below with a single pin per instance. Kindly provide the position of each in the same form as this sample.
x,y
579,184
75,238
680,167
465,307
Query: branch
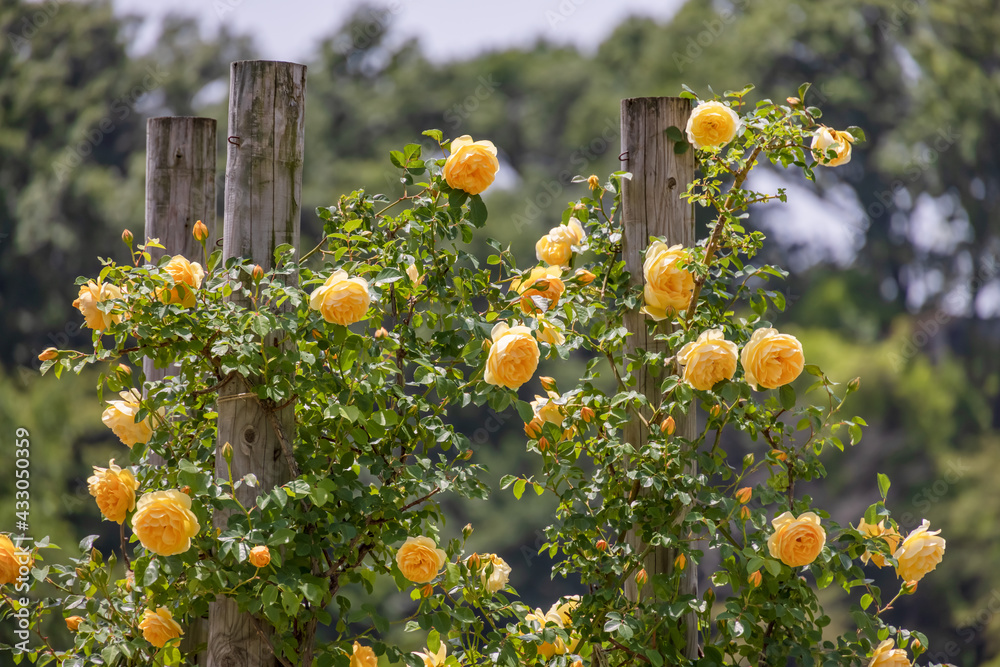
x,y
260,631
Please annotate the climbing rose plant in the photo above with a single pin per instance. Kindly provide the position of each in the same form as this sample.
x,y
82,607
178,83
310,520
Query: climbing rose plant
x,y
378,335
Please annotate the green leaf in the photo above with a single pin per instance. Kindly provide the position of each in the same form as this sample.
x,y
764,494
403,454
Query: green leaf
x,y
152,573
477,211
436,135
681,147
866,600
524,411
519,488
883,485
674,133
787,395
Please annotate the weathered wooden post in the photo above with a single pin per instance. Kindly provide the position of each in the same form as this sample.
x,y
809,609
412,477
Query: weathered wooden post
x,y
265,145
652,206
180,190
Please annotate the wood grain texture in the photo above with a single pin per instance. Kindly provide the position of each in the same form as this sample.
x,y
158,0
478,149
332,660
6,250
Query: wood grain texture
x,y
266,142
652,206
180,190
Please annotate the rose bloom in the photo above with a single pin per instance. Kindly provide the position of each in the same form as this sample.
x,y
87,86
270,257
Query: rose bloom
x,y
547,409
496,580
565,609
363,656
888,656
712,124
513,356
341,299
920,553
420,560
547,298
556,247
73,623
92,294
434,659
260,556
771,359
472,166
548,333
119,416
708,360
826,139
164,523
114,490
158,627
890,536
187,278
796,542
546,649
11,559
668,287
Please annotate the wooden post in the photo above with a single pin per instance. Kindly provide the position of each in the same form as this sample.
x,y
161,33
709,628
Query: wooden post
x,y
266,141
652,206
180,190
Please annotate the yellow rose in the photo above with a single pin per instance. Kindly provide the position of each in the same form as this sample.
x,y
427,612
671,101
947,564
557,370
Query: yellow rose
x,y
668,287
556,247
549,333
826,139
433,659
771,359
114,490
888,656
158,627
73,623
708,360
472,166
920,553
513,356
259,556
341,299
535,300
90,296
548,409
187,278
12,560
584,276
497,579
120,418
363,656
164,523
796,542
546,649
712,124
565,609
890,536
420,560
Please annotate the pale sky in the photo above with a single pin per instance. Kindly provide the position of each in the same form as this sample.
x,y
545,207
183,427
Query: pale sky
x,y
448,29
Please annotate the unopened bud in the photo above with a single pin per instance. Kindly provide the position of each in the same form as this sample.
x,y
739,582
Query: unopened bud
x,y
257,273
548,384
123,369
127,238
48,353
316,334
577,663
466,455
668,426
793,101
781,456
186,490
381,333
716,410
73,622
602,545
854,384
747,461
641,577
909,587
200,232
743,495
585,276
533,429
754,579
487,344
586,414
710,595
473,562
745,513
680,562
227,452
467,531
594,182
426,591
543,444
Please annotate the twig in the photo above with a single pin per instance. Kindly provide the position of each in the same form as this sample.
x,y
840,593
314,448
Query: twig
x,y
215,387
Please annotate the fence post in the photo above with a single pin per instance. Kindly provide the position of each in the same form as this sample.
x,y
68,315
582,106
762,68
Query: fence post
x,y
265,145
180,190
652,206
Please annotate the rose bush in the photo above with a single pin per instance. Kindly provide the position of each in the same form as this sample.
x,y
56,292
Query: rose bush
x,y
371,341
